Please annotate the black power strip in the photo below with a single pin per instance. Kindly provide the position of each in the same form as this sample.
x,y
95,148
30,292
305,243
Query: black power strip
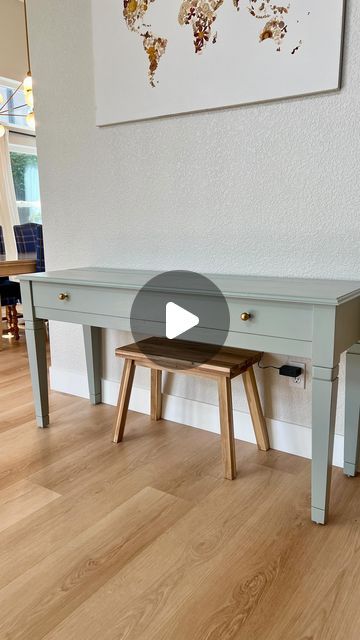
x,y
289,371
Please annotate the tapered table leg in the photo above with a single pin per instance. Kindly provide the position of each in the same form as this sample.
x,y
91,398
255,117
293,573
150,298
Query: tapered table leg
x,y
92,341
36,346
352,411
325,385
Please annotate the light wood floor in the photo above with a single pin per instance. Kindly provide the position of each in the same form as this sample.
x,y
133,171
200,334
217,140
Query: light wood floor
x,y
146,541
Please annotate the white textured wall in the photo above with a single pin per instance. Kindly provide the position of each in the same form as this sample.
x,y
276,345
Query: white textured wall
x,y
13,58
270,189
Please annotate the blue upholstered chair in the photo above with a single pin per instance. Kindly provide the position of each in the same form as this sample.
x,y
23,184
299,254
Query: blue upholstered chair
x,y
2,244
29,239
40,258
9,296
26,237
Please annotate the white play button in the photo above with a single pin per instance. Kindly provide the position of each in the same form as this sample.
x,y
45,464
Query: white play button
x,y
178,320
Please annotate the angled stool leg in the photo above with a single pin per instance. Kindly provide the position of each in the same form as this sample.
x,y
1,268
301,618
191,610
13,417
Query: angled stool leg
x,y
15,323
257,416
124,397
227,427
9,320
156,398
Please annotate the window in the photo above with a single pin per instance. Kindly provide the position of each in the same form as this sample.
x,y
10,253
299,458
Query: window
x,y
17,105
23,156
26,182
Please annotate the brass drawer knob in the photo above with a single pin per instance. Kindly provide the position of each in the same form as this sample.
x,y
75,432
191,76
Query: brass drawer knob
x,y
245,316
63,296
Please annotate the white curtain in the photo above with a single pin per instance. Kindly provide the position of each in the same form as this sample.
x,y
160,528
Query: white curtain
x,y
8,210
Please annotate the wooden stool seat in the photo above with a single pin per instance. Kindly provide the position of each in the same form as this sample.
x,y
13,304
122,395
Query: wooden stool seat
x,y
169,355
176,356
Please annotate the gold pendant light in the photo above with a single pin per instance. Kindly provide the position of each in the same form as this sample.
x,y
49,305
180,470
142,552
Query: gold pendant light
x,y
27,86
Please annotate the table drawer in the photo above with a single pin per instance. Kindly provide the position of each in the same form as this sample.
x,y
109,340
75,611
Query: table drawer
x,y
102,301
280,319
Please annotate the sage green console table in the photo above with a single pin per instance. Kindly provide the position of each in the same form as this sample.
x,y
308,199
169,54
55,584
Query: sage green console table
x,y
317,319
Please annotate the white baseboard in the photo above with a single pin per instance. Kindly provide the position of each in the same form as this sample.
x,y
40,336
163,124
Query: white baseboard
x,y
75,384
284,436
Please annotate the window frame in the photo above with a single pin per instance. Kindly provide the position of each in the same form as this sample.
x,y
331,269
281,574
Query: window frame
x,y
15,147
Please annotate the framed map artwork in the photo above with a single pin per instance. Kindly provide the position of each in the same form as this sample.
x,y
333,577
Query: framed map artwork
x,y
160,57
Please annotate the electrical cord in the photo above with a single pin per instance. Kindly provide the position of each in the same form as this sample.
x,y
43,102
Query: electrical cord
x,y
268,366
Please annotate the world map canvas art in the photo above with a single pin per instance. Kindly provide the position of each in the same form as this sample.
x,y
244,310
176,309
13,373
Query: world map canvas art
x,y
162,57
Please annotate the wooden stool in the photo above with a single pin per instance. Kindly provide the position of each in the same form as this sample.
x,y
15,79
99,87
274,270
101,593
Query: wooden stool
x,y
173,355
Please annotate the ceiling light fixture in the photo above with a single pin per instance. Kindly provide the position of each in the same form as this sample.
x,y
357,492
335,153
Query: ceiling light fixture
x,y
26,85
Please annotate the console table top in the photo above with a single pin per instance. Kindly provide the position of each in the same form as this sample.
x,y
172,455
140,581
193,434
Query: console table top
x,y
301,290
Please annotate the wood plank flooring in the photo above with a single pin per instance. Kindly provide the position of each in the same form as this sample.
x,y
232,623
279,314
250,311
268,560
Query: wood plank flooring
x,y
146,541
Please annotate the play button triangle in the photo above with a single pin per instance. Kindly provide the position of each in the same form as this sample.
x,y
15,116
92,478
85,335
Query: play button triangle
x,y
178,320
